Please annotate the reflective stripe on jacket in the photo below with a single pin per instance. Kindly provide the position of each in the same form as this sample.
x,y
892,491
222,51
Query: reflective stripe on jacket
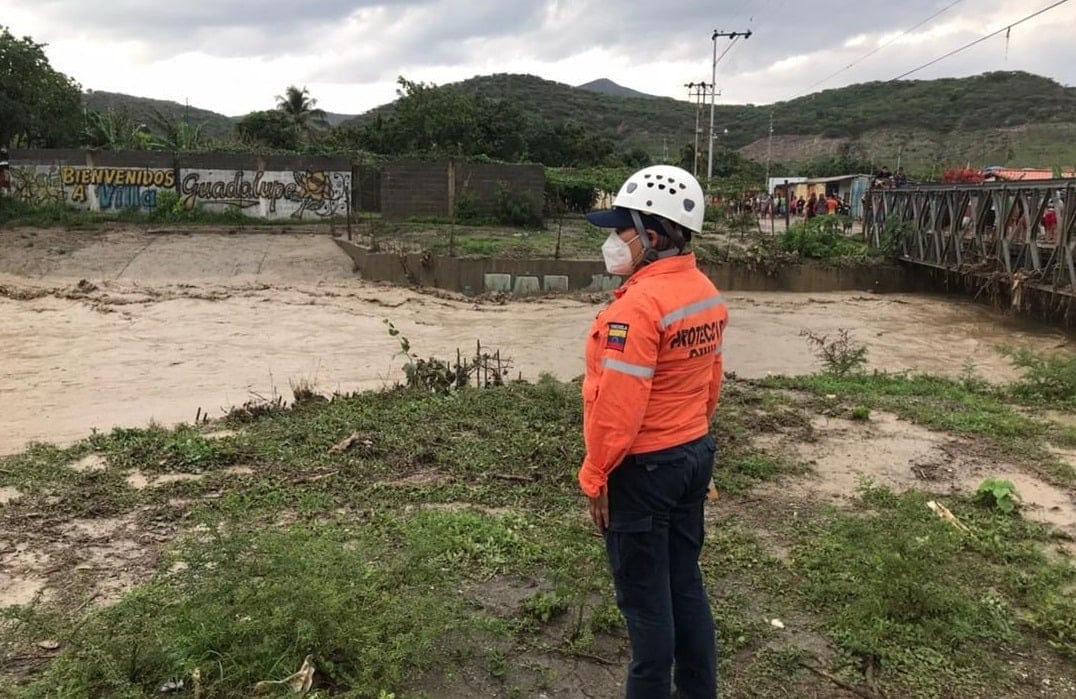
x,y
654,367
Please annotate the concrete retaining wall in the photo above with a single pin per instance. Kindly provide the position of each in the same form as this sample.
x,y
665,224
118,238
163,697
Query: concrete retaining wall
x,y
479,275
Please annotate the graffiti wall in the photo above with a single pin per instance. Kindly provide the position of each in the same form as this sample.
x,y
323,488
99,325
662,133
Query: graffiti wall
x,y
94,188
271,187
268,194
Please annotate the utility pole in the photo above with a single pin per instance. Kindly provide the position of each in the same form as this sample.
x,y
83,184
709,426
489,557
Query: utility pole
x,y
713,81
769,152
700,92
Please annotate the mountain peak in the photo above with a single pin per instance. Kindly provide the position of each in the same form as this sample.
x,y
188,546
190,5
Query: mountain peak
x,y
605,86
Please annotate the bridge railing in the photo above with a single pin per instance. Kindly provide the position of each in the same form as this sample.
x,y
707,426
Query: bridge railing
x,y
997,227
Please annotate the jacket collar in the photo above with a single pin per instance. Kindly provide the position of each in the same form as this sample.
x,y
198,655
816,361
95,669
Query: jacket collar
x,y
669,265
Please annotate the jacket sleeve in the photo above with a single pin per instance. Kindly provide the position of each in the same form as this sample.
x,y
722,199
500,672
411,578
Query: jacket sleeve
x,y
718,371
614,413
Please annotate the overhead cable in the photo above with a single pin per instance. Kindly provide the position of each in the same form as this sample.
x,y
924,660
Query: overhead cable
x,y
870,53
981,39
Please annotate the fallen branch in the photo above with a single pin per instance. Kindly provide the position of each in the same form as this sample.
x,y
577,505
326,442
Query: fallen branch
x,y
313,477
513,478
858,691
350,441
943,512
299,683
89,599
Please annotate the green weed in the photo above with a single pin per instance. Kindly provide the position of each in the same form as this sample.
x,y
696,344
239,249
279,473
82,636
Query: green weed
x,y
1000,494
839,356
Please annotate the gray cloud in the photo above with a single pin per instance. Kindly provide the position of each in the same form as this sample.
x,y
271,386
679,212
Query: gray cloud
x,y
373,41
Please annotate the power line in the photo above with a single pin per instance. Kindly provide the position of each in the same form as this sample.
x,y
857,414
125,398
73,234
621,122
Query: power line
x,y
980,40
867,55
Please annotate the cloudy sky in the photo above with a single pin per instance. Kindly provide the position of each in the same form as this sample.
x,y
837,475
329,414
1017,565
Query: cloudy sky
x,y
234,57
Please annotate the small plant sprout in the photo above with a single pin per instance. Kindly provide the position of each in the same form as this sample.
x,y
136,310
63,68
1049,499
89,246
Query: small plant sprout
x,y
998,494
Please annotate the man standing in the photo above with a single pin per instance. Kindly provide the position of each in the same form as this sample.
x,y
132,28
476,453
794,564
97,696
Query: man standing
x,y
1049,225
5,173
653,381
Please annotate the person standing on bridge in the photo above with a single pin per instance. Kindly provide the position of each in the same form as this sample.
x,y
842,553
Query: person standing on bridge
x,y
1049,225
653,381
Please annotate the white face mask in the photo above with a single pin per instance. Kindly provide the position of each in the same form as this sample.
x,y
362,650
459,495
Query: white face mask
x,y
617,254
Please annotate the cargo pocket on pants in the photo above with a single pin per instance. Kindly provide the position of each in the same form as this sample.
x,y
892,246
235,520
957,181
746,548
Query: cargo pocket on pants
x,y
630,548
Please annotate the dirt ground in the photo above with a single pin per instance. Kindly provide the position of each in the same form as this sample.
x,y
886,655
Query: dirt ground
x,y
121,327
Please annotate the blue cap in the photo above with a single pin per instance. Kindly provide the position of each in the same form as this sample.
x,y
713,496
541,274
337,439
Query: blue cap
x,y
618,217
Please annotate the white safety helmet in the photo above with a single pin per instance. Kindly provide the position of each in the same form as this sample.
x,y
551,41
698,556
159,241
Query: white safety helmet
x,y
666,191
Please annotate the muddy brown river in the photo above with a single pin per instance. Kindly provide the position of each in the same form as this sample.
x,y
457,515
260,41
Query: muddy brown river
x,y
164,325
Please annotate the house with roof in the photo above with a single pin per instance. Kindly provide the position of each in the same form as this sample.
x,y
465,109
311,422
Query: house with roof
x,y
997,173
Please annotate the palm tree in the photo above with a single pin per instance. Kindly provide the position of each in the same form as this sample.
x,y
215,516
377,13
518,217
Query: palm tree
x,y
301,108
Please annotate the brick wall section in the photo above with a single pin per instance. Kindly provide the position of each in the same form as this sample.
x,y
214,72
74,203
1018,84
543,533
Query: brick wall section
x,y
414,189
366,188
483,180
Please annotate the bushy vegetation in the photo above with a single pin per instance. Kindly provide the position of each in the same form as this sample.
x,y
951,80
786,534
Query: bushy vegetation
x,y
1047,377
821,238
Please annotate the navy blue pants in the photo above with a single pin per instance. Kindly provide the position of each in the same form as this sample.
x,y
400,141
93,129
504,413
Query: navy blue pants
x,y
653,541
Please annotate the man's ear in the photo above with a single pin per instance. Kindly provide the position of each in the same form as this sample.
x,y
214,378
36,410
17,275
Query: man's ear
x,y
655,239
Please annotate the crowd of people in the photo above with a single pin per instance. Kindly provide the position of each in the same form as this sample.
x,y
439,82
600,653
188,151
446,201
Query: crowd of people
x,y
769,206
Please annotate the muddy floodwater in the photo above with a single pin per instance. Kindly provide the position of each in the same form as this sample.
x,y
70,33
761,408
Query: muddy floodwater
x,y
99,330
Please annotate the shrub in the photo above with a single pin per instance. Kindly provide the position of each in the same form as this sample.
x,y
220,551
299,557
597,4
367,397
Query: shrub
x,y
522,209
840,356
467,208
821,238
1047,378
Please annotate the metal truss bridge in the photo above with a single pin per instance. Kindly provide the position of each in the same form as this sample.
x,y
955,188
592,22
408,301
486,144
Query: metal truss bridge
x,y
997,231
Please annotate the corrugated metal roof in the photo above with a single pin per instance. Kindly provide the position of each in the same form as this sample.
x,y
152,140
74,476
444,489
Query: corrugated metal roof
x,y
1024,174
835,178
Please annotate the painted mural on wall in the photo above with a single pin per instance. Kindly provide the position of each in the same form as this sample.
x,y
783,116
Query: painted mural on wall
x,y
264,194
94,188
268,194
39,186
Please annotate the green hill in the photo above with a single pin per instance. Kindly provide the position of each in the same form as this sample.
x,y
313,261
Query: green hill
x,y
145,110
1012,118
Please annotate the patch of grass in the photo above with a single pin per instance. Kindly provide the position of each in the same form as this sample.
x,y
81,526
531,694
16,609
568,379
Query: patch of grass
x,y
944,404
477,247
162,450
929,608
379,559
169,210
249,606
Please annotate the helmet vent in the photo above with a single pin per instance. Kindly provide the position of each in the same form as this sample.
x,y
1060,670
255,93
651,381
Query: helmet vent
x,y
631,187
689,205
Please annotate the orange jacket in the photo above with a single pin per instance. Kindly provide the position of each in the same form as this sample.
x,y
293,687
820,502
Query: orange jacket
x,y
654,367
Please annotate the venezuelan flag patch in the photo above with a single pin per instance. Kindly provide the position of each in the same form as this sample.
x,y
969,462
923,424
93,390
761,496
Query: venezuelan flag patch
x,y
617,338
